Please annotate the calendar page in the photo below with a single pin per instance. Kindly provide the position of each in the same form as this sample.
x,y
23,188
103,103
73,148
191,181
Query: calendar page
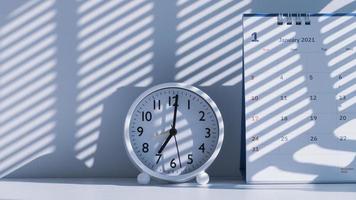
x,y
300,97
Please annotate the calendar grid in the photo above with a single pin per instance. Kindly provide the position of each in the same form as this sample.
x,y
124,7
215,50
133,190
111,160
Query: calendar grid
x,y
300,85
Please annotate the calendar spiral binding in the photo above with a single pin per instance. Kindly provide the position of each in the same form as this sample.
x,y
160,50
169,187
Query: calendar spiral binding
x,y
297,18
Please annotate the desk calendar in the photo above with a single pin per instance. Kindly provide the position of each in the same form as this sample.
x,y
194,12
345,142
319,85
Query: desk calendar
x,y
300,102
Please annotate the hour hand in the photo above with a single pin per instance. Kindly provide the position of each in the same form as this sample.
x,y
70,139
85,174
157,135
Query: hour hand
x,y
165,144
172,133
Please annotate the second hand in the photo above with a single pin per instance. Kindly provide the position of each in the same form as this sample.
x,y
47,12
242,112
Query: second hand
x,y
175,139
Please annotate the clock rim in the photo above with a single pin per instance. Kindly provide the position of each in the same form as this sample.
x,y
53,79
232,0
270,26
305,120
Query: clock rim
x,y
176,178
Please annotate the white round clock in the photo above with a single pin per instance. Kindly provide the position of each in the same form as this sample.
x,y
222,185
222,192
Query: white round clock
x,y
173,132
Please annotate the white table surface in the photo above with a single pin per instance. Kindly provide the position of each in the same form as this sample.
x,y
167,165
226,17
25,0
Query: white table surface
x,y
87,189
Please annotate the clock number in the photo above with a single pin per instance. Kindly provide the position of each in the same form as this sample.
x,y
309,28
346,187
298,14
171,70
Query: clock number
x,y
188,104
202,148
157,104
159,157
140,130
173,164
170,99
207,133
190,159
145,147
202,113
146,116
283,98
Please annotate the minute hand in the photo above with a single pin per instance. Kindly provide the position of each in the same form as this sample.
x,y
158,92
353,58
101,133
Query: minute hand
x,y
175,113
173,130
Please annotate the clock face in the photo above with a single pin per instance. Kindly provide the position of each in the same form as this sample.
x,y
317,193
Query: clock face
x,y
174,131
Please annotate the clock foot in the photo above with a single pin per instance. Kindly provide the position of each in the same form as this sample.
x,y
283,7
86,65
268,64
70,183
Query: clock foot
x,y
202,178
143,178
